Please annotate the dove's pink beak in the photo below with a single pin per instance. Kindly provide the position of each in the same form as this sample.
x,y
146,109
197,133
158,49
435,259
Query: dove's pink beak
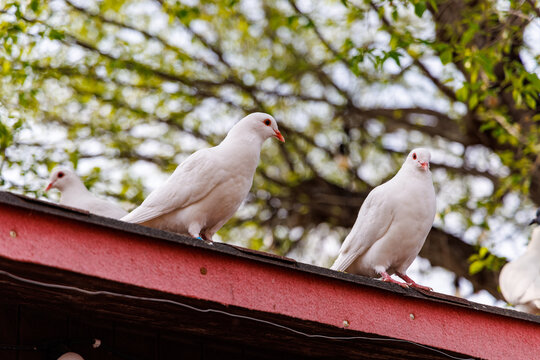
x,y
49,186
279,136
425,165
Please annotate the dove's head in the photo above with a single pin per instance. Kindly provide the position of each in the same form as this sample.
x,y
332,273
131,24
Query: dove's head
x,y
61,177
419,158
261,124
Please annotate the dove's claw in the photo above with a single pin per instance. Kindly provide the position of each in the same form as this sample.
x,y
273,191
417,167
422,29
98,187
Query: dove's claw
x,y
205,239
411,282
388,278
422,287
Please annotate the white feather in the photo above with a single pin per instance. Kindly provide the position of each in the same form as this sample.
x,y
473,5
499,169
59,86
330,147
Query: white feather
x,y
520,279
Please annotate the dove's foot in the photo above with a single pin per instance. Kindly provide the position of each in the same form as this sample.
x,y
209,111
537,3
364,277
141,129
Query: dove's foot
x,y
205,239
388,278
411,282
422,287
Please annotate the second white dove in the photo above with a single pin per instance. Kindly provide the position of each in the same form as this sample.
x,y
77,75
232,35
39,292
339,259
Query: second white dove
x,y
207,188
392,224
76,195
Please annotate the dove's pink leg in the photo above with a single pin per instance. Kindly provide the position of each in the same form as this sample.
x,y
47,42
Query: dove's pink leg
x,y
388,278
206,239
411,282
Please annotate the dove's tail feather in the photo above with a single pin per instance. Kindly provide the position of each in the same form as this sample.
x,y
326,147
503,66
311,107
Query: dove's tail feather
x,y
343,261
136,217
338,264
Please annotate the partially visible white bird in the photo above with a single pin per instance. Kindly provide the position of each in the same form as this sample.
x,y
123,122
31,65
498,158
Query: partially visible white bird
x,y
76,195
207,188
520,279
392,224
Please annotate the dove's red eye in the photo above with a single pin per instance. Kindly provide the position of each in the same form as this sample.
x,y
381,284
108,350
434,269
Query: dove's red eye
x,y
267,122
60,174
414,156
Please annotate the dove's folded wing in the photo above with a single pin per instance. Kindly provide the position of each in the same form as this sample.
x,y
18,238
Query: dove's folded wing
x,y
531,293
191,181
374,219
517,277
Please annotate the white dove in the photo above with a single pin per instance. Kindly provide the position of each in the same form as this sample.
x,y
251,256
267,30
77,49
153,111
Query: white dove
x,y
76,195
209,186
520,279
392,224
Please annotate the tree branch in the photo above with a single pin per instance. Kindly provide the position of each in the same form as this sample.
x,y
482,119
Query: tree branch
x,y
443,88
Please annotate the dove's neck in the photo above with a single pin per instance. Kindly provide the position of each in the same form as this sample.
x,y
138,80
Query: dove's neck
x,y
411,171
244,147
534,244
241,133
74,192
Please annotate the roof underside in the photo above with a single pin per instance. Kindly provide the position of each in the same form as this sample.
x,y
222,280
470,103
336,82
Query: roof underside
x,y
256,299
239,327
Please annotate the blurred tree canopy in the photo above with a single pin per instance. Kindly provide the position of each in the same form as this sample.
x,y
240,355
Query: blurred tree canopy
x,y
125,90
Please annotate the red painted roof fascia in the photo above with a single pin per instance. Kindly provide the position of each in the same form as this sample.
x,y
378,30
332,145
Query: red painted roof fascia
x,y
86,248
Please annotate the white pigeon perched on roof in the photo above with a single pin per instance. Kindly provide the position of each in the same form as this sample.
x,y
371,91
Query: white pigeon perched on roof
x,y
520,279
392,224
76,195
209,186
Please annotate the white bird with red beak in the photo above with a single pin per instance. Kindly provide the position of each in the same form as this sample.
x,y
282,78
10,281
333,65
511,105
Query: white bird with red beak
x,y
392,224
74,194
520,279
207,188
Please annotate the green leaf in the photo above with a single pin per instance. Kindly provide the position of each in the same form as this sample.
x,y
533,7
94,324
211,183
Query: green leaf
x,y
468,35
394,55
446,56
293,19
488,126
473,101
530,101
483,252
34,5
518,98
419,8
395,15
74,158
56,35
433,4
463,93
476,267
